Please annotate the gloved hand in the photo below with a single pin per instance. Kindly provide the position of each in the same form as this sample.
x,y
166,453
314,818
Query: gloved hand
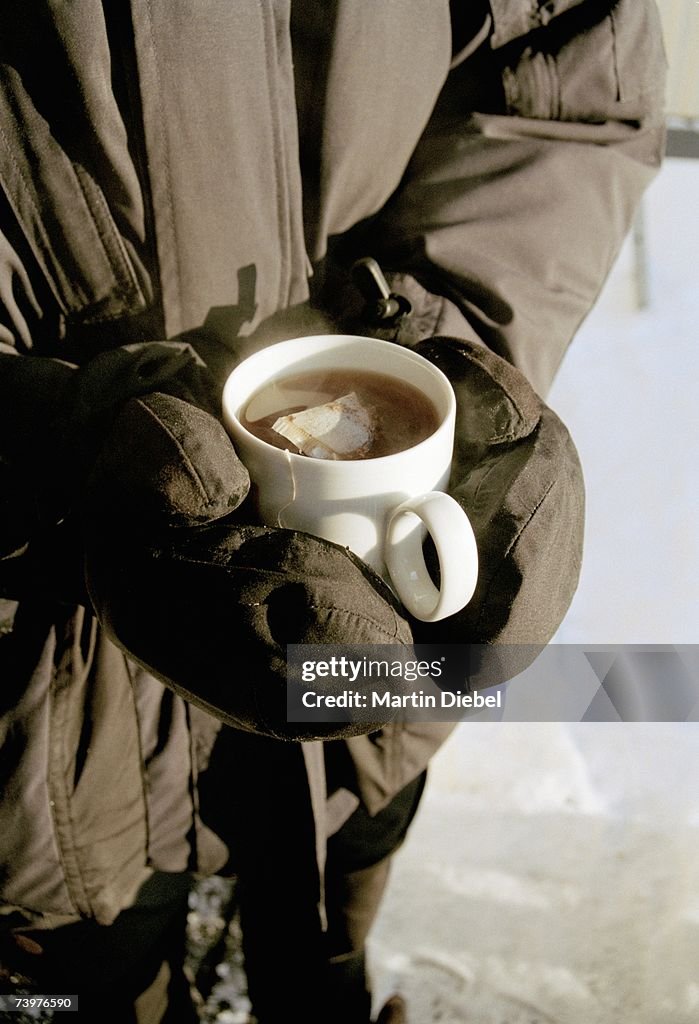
x,y
517,474
515,471
129,466
53,420
164,470
210,608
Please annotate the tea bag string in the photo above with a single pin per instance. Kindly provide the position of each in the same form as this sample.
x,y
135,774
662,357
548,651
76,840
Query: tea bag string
x,y
292,499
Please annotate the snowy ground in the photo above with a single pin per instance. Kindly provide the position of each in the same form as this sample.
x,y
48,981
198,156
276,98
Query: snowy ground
x,y
552,873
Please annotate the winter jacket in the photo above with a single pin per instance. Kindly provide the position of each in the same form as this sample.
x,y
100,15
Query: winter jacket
x,y
166,166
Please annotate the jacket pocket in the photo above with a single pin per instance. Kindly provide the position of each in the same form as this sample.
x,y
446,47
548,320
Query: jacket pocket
x,y
593,62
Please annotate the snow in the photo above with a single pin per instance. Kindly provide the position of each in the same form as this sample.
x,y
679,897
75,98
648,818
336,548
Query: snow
x,y
552,872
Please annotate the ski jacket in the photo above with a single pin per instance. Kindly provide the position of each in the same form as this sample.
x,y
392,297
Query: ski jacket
x,y
165,165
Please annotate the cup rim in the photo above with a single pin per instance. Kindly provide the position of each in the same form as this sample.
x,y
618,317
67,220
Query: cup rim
x,y
405,353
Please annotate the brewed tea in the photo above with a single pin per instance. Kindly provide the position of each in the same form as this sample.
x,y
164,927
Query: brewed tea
x,y
401,415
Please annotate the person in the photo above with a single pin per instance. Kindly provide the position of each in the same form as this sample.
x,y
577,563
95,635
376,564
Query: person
x,y
182,184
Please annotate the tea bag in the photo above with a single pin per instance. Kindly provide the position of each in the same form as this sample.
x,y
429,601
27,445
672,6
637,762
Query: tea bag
x,y
343,429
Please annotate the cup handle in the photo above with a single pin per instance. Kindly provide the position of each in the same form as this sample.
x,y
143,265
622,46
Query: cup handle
x,y
455,543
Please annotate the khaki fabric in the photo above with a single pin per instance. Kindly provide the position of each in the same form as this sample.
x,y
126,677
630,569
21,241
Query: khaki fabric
x,y
169,167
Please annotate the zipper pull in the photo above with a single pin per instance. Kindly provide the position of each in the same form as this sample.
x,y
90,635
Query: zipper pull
x,y
382,305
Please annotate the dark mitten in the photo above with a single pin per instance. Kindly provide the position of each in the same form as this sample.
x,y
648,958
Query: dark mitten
x,y
56,418
163,463
515,471
209,610
517,474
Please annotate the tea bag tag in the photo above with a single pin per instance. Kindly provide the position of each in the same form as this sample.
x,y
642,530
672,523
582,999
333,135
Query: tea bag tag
x,y
342,429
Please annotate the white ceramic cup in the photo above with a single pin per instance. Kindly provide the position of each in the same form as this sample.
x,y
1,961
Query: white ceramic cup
x,y
379,508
